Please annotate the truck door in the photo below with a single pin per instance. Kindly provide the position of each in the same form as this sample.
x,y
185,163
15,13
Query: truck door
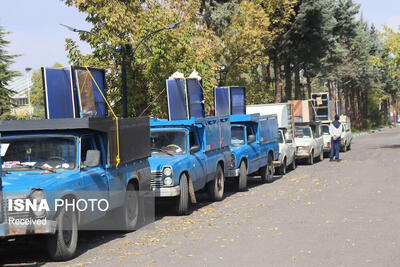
x,y
95,178
253,151
198,161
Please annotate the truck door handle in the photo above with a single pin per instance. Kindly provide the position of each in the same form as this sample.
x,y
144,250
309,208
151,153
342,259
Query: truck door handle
x,y
103,174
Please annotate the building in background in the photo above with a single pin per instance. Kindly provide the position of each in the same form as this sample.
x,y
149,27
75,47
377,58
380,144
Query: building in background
x,y
20,86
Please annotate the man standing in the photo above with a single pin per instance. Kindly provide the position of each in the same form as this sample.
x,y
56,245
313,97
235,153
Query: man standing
x,y
335,130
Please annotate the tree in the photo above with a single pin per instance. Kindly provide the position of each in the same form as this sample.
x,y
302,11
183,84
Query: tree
x,y
6,75
190,46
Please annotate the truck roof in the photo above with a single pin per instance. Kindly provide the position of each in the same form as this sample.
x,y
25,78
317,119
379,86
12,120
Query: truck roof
x,y
154,122
250,117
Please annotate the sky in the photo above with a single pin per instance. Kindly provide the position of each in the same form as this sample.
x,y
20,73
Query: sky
x,y
37,36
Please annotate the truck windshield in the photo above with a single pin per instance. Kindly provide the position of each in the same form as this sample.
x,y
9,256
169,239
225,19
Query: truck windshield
x,y
303,132
168,142
38,152
325,129
237,135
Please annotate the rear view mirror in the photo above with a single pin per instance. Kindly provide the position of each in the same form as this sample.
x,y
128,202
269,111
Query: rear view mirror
x,y
92,158
251,139
194,149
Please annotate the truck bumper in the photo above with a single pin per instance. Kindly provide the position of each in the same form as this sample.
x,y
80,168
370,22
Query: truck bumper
x,y
302,155
13,229
232,173
277,164
167,191
327,149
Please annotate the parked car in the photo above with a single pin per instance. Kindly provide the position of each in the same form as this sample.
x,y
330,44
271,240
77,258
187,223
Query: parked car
x,y
287,146
66,161
309,141
187,156
327,138
254,147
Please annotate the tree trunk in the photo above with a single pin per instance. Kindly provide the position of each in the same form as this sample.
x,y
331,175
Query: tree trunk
x,y
288,79
268,79
346,101
365,103
308,83
278,79
360,111
353,116
297,92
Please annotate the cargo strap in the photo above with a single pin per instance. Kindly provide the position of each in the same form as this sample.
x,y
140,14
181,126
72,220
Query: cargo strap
x,y
117,159
29,105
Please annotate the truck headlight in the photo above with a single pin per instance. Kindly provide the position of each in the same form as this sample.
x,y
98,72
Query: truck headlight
x,y
167,171
303,148
168,181
38,196
233,161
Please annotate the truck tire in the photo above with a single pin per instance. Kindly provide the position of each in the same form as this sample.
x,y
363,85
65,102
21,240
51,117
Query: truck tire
x,y
310,160
62,245
282,168
242,183
349,146
182,203
344,149
267,172
215,188
321,156
129,212
293,165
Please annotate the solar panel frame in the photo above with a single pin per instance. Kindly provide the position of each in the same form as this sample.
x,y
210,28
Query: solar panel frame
x,y
52,112
177,111
195,98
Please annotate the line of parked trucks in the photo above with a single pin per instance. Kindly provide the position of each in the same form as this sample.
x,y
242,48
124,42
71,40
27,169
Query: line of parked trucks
x,y
81,159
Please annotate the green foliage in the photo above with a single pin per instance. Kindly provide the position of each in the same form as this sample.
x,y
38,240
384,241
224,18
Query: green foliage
x,y
6,75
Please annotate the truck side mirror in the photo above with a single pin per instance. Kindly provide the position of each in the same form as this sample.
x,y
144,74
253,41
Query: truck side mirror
x,y
194,149
251,139
92,158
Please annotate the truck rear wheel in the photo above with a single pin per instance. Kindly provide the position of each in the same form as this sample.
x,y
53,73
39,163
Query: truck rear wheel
x,y
215,188
129,212
242,183
321,156
282,168
267,172
62,245
349,146
182,203
344,149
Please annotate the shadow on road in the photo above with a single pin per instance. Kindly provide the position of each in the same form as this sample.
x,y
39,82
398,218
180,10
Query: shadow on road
x,y
31,251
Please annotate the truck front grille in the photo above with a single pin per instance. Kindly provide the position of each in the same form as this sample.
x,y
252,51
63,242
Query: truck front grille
x,y
156,179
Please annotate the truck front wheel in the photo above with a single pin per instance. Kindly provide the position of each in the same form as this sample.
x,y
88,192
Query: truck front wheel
x,y
62,245
282,168
242,183
267,172
310,160
182,203
215,188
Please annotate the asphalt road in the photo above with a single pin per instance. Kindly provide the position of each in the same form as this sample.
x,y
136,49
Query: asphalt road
x,y
329,214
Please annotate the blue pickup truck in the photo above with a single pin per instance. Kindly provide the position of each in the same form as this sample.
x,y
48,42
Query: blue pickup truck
x,y
254,147
60,176
187,156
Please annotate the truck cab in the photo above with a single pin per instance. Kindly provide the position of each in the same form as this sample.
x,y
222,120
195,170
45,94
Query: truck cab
x,y
309,141
254,147
187,156
68,166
